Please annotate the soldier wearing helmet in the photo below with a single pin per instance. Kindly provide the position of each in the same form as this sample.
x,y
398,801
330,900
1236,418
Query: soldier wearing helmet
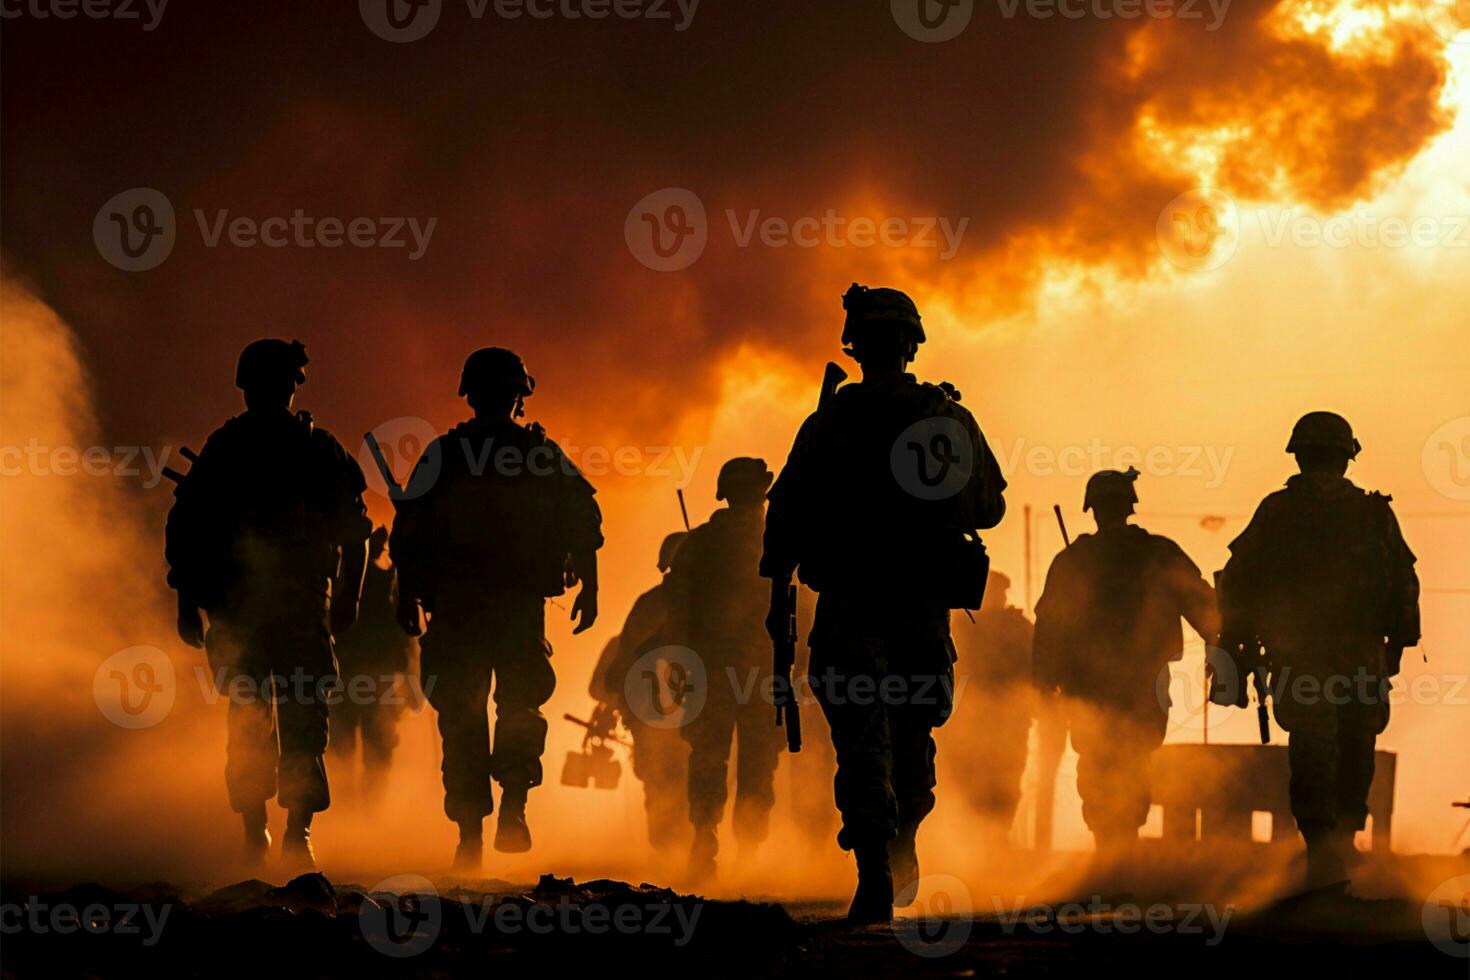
x,y
994,648
267,535
497,520
1107,628
660,754
1323,579
377,660
717,607
878,510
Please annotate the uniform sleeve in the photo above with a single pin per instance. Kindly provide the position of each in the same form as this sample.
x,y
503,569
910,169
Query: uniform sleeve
x,y
187,534
787,505
680,584
987,483
409,541
351,525
580,514
1239,610
1195,596
1403,600
1051,637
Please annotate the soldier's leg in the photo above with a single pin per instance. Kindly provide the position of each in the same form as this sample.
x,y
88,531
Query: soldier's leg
x,y
524,681
1359,725
757,754
661,763
1106,777
456,680
251,747
1313,750
346,721
710,735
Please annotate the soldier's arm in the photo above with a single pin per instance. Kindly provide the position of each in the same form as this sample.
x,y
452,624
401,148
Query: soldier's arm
x,y
1238,580
408,539
987,483
351,531
582,528
678,588
1403,600
1050,635
787,511
1195,596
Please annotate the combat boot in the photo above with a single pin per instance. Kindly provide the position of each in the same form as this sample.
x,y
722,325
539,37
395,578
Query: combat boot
x,y
873,900
702,854
257,836
512,835
296,849
1325,866
903,859
469,855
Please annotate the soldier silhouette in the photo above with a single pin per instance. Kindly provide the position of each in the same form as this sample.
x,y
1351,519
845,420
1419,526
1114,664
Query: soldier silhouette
x,y
660,755
878,509
376,661
1322,578
717,608
495,521
1107,626
268,536
987,741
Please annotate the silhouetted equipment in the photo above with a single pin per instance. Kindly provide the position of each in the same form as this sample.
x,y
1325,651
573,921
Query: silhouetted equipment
x,y
496,366
1062,524
1111,485
683,511
594,766
264,360
395,492
865,305
788,709
832,377
1210,792
174,474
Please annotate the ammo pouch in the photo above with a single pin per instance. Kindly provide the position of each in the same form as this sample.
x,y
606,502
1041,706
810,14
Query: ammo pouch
x,y
963,566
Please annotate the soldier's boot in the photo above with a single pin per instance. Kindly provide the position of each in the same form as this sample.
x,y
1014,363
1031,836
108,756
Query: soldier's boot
x,y
903,859
512,835
257,836
702,854
469,854
1325,866
873,900
296,849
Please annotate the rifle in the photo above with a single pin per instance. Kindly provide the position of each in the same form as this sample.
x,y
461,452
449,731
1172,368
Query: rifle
x,y
788,710
395,492
683,511
1061,523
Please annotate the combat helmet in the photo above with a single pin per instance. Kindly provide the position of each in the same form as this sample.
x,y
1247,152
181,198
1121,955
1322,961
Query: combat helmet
x,y
743,472
866,305
1111,485
491,367
264,361
1324,430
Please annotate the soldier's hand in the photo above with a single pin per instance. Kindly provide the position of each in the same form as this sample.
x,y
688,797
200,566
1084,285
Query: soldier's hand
x,y
344,614
408,616
191,625
584,610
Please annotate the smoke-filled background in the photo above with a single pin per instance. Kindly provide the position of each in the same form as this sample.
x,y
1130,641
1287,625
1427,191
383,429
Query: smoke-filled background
x,y
1021,180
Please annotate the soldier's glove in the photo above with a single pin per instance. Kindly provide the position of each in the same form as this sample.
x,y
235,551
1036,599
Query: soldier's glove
x,y
1227,680
190,624
408,616
584,610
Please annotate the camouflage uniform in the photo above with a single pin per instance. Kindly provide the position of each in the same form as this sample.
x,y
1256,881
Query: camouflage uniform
x,y
717,608
660,755
995,697
1323,577
375,658
1107,627
494,509
841,515
253,538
